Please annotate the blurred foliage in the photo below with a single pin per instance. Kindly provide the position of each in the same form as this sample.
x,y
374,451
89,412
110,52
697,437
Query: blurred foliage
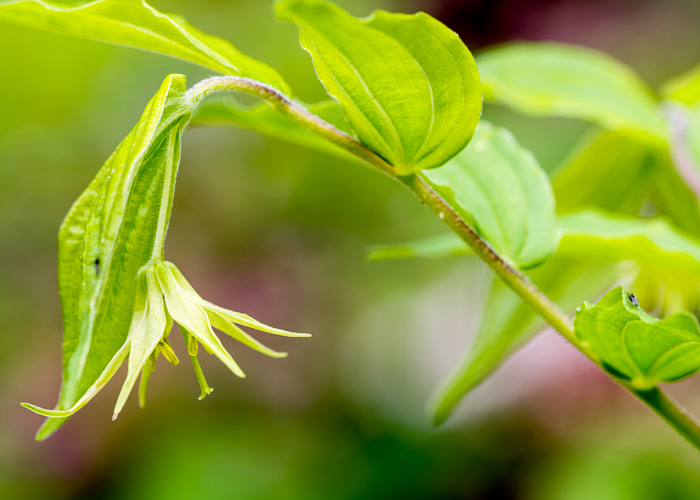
x,y
343,416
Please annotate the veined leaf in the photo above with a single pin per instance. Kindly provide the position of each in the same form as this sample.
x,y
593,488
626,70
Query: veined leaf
x,y
684,88
225,110
554,79
608,170
108,235
635,346
134,23
407,84
508,323
501,191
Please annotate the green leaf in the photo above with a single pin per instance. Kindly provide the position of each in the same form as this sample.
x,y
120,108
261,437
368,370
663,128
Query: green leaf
x,y
607,170
545,79
508,323
134,23
110,232
434,247
225,110
648,241
407,84
586,235
501,191
684,88
635,346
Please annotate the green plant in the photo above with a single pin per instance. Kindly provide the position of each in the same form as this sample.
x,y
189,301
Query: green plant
x,y
407,102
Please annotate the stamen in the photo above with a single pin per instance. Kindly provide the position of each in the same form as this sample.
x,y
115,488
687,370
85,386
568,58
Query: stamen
x,y
168,352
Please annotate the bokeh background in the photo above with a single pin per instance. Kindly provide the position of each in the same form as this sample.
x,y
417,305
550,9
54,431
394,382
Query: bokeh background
x,y
279,232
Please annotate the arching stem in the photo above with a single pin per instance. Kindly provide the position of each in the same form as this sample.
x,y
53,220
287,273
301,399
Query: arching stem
x,y
669,410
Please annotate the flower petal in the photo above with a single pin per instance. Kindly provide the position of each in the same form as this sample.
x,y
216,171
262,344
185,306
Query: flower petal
x,y
245,320
146,331
183,307
104,377
221,323
232,316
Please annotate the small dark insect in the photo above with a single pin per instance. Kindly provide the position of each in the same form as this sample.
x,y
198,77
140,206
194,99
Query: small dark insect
x,y
97,266
634,300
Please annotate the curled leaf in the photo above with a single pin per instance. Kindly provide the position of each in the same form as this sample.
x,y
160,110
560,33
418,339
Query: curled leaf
x,y
635,346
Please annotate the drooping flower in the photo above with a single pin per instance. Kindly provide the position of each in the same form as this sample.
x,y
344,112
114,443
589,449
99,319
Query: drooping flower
x,y
163,295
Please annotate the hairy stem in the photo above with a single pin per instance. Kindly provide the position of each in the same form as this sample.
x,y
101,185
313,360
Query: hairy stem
x,y
670,411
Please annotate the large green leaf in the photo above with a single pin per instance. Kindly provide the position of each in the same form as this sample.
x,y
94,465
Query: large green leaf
x,y
407,84
635,346
608,170
136,24
108,235
508,323
553,79
684,88
501,191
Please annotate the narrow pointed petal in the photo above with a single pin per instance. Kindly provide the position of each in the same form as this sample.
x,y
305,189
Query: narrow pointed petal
x,y
232,316
183,307
104,377
147,330
221,323
245,320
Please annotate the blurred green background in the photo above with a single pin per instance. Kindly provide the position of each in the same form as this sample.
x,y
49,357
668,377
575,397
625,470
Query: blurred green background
x,y
279,232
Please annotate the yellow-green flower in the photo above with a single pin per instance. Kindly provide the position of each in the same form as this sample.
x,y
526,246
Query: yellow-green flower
x,y
163,295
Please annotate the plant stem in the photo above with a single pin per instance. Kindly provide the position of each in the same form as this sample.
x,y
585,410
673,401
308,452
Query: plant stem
x,y
670,411
291,110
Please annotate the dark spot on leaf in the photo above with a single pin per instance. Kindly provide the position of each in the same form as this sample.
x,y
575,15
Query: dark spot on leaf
x,y
97,266
634,300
